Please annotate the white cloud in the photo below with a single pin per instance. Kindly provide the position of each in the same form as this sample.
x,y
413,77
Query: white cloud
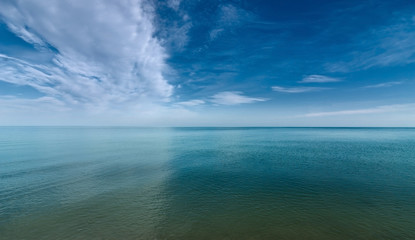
x,y
192,103
105,50
297,89
386,84
318,79
379,109
234,98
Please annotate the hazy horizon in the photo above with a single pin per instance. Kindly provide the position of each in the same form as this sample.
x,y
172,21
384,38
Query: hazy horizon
x,y
218,126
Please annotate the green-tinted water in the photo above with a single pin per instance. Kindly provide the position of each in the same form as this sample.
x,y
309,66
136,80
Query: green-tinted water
x,y
207,183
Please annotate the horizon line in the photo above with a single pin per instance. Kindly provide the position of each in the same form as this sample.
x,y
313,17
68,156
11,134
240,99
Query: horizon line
x,y
133,126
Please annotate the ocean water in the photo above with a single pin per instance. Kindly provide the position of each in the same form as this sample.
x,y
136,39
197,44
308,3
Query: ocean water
x,y
207,183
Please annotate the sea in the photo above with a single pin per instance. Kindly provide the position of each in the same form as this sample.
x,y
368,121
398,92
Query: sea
x,y
207,183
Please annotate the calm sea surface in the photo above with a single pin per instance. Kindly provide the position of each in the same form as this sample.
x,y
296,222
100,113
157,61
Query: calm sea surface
x,y
207,183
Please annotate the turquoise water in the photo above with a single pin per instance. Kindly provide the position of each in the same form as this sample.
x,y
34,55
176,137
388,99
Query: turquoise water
x,y
207,183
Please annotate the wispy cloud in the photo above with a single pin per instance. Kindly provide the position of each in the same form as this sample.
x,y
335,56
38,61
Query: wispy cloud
x,y
174,4
389,45
192,103
297,89
234,98
228,16
173,28
41,104
318,79
386,84
88,66
378,109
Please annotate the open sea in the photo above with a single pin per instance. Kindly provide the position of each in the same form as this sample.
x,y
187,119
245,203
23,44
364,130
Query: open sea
x,y
207,183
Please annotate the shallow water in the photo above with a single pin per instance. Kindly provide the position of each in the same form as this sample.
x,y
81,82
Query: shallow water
x,y
207,183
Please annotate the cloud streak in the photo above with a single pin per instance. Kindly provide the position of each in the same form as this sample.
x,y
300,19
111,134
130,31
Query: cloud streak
x,y
318,79
386,84
297,89
192,103
379,109
233,98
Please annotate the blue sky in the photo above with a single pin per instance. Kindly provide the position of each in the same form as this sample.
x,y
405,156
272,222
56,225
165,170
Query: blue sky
x,y
207,63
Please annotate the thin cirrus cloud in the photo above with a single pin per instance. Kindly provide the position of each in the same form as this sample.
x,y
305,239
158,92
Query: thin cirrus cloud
x,y
297,89
174,4
378,109
41,104
228,17
234,98
88,66
388,45
223,98
192,103
381,85
318,79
